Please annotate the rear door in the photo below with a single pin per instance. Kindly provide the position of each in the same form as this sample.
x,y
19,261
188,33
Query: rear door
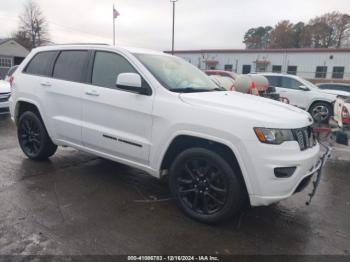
x,y
62,94
116,122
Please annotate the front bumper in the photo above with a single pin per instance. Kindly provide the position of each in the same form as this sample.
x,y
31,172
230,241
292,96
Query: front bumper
x,y
4,103
266,188
4,107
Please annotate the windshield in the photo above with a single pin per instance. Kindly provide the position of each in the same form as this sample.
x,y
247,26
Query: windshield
x,y
177,75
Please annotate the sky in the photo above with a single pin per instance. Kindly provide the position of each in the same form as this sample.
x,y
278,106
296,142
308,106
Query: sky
x,y
200,24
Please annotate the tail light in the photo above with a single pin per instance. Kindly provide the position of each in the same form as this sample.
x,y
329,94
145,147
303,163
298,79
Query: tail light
x,y
345,115
11,79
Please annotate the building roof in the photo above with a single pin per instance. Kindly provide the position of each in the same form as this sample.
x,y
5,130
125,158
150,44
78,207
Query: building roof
x,y
3,40
289,50
10,47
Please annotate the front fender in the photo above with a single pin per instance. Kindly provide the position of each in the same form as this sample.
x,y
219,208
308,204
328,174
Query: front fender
x,y
238,150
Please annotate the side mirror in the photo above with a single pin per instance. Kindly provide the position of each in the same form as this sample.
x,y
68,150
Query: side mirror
x,y
304,88
131,82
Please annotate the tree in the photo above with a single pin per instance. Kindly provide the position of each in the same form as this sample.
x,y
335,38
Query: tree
x,y
321,32
258,38
329,30
305,40
33,28
298,30
342,29
22,38
283,35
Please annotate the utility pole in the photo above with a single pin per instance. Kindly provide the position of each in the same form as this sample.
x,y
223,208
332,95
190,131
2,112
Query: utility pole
x,y
113,26
173,33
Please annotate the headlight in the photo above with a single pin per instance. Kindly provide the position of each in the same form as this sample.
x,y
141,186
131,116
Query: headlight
x,y
274,136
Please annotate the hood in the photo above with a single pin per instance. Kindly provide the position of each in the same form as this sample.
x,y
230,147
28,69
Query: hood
x,y
336,92
4,87
322,94
261,111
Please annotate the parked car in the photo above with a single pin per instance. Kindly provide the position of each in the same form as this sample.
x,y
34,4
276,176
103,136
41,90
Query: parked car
x,y
5,93
160,114
335,88
303,94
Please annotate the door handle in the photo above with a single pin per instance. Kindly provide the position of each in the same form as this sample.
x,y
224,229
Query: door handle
x,y
45,84
92,93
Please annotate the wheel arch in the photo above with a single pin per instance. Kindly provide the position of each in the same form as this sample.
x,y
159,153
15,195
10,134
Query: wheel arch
x,y
226,150
23,105
320,101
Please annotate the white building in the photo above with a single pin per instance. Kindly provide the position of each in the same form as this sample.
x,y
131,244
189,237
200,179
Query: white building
x,y
307,63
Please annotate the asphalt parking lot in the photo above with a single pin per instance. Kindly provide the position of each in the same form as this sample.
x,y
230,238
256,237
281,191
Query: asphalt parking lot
x,y
78,204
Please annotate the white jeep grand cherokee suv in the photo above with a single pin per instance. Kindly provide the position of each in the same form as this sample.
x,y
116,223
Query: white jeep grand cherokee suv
x,y
162,115
303,94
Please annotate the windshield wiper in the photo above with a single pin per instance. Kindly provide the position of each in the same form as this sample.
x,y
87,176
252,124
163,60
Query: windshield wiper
x,y
218,89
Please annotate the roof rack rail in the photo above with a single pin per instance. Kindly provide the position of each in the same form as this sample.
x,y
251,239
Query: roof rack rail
x,y
82,44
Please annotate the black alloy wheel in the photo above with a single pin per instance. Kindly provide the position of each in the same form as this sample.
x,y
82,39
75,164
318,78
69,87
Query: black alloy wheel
x,y
33,138
202,186
30,136
205,186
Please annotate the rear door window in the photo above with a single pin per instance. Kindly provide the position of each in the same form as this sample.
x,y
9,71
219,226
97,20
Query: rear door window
x,y
71,65
41,64
274,81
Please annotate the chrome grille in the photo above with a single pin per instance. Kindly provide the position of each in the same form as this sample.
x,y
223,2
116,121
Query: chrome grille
x,y
304,137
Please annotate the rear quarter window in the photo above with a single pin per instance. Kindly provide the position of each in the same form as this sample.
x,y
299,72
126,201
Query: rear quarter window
x,y
40,63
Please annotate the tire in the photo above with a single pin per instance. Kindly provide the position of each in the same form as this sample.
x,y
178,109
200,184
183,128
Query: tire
x,y
205,187
33,137
321,112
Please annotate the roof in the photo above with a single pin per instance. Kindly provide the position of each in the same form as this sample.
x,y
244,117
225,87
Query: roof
x,y
98,46
288,50
3,40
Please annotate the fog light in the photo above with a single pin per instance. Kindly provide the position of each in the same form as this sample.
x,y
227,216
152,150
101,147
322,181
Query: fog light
x,y
284,172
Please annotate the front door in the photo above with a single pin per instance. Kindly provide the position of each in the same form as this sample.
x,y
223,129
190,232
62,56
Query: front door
x,y
290,88
116,122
